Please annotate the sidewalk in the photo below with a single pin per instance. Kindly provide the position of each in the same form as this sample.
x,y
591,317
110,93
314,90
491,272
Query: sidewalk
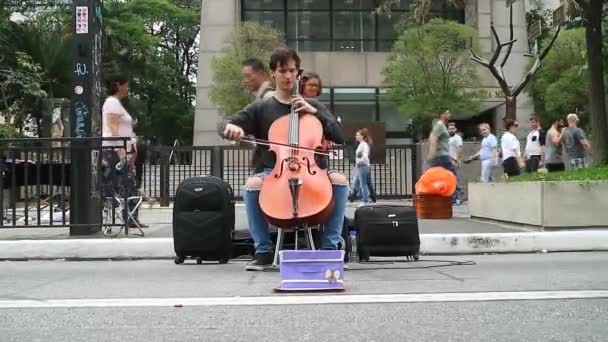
x,y
159,220
459,235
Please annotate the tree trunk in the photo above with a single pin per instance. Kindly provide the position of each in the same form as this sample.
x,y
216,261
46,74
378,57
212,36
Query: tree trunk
x,y
511,107
599,124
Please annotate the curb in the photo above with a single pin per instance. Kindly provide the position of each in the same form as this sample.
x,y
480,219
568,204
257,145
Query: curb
x,y
431,244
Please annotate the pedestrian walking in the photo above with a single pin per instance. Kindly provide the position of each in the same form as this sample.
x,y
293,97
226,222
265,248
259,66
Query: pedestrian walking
x,y
554,160
512,162
575,143
455,152
488,153
439,154
535,146
362,165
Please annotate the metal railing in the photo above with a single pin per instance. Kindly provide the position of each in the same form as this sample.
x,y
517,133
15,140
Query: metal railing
x,y
36,179
393,175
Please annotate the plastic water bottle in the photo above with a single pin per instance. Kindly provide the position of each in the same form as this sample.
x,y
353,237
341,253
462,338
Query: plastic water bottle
x,y
354,255
119,165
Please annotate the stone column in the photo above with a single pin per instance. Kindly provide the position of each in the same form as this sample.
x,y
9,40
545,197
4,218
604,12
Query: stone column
x,y
218,20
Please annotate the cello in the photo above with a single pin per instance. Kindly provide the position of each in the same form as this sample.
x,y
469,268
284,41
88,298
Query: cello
x,y
297,192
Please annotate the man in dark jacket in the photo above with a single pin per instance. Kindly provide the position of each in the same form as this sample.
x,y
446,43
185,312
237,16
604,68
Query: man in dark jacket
x,y
256,120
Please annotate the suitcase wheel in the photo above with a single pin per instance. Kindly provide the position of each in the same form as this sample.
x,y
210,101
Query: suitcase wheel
x,y
364,256
179,260
224,260
414,257
199,261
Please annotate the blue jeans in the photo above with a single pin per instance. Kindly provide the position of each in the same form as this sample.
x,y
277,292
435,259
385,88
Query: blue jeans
x,y
361,182
258,226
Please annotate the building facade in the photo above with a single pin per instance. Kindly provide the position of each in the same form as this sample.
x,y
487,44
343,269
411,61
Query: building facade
x,y
347,44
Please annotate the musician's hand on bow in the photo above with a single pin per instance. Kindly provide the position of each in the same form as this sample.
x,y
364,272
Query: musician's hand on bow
x,y
233,132
302,106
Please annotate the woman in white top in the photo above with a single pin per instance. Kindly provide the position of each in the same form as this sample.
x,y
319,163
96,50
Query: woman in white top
x,y
511,150
362,174
118,163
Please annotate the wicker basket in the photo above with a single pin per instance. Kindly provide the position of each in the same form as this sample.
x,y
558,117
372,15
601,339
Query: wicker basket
x,y
433,207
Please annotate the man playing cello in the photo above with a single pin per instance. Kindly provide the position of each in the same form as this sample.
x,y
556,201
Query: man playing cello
x,y
256,119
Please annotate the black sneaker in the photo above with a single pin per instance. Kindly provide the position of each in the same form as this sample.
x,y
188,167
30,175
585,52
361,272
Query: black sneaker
x,y
260,262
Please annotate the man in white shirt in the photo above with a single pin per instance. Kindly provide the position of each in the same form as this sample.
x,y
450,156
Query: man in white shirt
x,y
455,152
511,153
535,146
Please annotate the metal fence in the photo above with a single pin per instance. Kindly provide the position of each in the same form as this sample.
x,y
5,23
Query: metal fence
x,y
36,178
36,181
393,175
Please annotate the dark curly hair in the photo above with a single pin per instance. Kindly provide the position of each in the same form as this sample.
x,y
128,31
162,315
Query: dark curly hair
x,y
113,81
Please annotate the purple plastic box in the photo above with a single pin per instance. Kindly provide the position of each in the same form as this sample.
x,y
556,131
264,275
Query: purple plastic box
x,y
312,270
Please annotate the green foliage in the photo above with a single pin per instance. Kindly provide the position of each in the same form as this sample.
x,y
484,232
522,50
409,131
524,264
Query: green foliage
x,y
9,131
155,43
20,90
587,174
561,85
249,40
35,63
430,68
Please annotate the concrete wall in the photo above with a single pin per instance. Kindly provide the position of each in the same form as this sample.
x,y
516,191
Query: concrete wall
x,y
575,204
549,205
218,20
509,202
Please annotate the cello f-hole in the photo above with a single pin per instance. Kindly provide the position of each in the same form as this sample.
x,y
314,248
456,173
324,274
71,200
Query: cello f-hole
x,y
312,172
281,171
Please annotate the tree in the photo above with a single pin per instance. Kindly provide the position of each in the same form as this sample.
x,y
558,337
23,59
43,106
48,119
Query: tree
x,y
249,40
155,42
560,87
38,47
429,68
497,71
20,90
591,11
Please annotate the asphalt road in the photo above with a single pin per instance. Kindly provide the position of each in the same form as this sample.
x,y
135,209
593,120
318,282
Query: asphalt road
x,y
490,298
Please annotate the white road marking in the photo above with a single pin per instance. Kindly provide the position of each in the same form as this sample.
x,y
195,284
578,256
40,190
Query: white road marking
x,y
304,299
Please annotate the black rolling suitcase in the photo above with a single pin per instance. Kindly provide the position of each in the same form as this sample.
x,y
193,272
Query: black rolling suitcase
x,y
387,230
203,220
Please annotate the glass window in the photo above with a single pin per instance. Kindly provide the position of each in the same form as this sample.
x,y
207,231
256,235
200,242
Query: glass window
x,y
354,4
387,27
308,25
355,45
262,4
385,45
355,111
393,120
349,25
325,97
346,94
307,5
310,45
270,18
405,4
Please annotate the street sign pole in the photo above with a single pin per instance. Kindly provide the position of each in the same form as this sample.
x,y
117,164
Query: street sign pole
x,y
85,117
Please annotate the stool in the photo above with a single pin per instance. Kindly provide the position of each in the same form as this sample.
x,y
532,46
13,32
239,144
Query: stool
x,y
130,213
281,237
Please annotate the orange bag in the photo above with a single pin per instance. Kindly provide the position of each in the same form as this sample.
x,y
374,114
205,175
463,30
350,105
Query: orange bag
x,y
436,181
